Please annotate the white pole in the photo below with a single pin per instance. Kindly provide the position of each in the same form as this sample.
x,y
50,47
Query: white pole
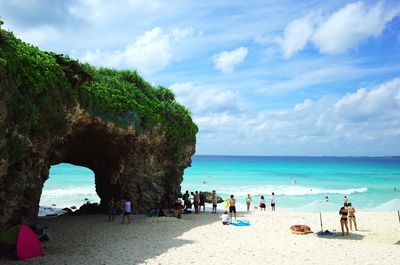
x,y
320,219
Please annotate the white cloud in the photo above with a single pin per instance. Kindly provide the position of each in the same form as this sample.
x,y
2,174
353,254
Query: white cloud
x,y
347,125
380,103
227,60
350,25
202,99
149,53
39,35
103,11
296,35
342,30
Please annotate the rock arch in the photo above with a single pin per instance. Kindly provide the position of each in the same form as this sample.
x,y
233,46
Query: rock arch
x,y
134,136
125,164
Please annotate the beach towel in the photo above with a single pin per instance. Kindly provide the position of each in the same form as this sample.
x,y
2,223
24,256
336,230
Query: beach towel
x,y
242,222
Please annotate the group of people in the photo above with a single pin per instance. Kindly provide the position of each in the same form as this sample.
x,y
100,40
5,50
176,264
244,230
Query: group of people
x,y
347,216
126,205
262,204
196,199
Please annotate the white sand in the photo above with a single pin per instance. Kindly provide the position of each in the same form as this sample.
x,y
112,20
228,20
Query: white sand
x,y
202,239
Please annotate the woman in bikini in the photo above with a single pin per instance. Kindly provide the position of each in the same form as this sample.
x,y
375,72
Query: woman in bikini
x,y
343,220
352,217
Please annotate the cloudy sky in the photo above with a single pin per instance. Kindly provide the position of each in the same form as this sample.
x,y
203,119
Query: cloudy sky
x,y
260,77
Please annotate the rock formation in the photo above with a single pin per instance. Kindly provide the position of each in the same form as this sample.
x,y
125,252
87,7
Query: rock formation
x,y
135,137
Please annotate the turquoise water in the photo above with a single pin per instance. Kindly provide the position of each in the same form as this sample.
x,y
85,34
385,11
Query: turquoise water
x,y
69,185
296,181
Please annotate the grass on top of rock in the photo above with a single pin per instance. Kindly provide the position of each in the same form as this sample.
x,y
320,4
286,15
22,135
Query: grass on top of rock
x,y
39,87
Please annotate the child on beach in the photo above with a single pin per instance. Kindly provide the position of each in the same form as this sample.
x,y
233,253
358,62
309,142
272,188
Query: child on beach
x,y
225,218
262,203
248,202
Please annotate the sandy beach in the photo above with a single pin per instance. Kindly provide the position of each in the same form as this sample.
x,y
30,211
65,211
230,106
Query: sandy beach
x,y
200,239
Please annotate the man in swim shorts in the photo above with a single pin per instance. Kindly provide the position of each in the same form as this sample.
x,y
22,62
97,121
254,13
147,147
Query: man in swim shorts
x,y
232,207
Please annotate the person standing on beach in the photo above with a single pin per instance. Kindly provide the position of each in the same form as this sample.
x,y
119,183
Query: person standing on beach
x,y
326,199
196,202
343,220
232,207
345,201
127,211
352,217
202,201
262,203
178,208
186,201
214,200
273,201
112,209
248,202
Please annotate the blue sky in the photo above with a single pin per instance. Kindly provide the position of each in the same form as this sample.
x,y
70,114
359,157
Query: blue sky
x,y
260,77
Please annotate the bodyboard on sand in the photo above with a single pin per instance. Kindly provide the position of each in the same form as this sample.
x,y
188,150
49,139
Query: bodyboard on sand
x,y
240,222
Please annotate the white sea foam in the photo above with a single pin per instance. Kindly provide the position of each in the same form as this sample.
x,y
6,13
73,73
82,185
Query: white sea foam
x,y
289,190
50,211
73,191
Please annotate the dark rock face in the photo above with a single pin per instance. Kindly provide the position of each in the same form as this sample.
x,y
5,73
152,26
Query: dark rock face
x,y
125,163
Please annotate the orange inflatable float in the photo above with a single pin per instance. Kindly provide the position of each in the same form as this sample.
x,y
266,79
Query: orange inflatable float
x,y
300,229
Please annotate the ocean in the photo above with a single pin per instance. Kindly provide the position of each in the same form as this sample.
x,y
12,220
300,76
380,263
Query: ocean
x,y
366,181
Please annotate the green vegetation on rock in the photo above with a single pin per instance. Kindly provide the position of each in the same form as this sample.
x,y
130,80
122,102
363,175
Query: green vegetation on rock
x,y
40,87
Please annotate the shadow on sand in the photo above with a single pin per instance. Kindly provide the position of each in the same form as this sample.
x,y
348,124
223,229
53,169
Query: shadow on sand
x,y
351,236
103,242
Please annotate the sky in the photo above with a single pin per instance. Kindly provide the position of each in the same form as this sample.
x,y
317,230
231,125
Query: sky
x,y
315,78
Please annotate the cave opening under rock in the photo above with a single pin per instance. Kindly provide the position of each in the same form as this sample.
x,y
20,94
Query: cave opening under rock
x,y
69,185
94,147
